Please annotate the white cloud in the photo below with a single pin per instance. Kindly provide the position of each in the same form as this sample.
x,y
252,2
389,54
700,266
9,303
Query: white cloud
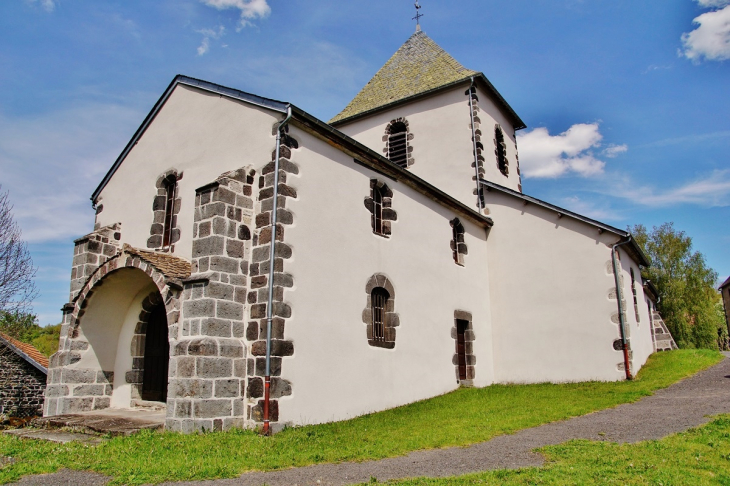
x,y
613,151
51,163
711,40
207,35
47,5
250,9
709,191
545,155
713,3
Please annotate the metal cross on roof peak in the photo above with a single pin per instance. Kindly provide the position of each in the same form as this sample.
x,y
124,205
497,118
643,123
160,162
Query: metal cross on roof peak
x,y
418,16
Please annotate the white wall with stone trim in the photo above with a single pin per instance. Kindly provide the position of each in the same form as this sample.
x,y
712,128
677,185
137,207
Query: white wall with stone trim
x,y
201,135
335,373
551,283
442,146
639,329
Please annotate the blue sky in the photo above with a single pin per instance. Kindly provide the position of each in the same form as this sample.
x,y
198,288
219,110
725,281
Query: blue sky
x,y
627,103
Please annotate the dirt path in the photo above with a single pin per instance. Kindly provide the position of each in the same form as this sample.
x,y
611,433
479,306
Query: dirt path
x,y
683,405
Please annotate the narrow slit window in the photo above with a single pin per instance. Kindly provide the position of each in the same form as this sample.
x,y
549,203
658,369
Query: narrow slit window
x,y
458,244
379,299
633,291
170,193
500,151
398,144
377,210
461,328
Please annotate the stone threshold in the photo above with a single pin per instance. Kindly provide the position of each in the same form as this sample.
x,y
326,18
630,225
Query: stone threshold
x,y
112,422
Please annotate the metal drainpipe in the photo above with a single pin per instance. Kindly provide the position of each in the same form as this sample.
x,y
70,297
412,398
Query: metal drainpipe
x,y
474,142
270,301
619,299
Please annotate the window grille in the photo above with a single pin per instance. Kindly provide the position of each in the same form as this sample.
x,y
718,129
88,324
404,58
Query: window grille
x,y
379,298
398,144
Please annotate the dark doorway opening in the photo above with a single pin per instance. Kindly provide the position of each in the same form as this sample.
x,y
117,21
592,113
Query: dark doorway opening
x,y
156,356
461,327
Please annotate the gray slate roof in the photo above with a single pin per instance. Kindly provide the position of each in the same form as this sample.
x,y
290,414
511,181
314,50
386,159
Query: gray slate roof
x,y
419,65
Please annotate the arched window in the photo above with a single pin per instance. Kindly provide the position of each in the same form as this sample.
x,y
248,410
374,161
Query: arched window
x,y
379,298
397,137
379,315
170,185
164,232
501,151
458,246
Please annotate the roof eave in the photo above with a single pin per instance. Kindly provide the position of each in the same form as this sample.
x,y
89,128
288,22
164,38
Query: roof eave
x,y
274,105
382,165
514,118
634,247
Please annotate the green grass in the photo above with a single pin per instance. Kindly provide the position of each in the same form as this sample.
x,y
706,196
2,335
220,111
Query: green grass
x,y
460,418
699,456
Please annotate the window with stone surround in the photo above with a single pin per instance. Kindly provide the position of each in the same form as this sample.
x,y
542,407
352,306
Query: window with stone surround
x,y
633,291
464,359
379,204
164,232
397,143
379,315
458,246
500,150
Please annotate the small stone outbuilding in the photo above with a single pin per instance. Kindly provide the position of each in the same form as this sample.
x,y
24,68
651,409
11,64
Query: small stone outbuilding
x,y
23,371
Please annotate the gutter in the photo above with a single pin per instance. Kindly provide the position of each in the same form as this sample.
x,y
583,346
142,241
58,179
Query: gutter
x,y
619,300
270,300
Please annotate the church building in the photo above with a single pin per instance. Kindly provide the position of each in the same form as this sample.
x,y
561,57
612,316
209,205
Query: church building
x,y
406,260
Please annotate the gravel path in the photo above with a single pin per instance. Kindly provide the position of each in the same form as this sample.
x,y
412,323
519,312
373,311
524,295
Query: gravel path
x,y
683,405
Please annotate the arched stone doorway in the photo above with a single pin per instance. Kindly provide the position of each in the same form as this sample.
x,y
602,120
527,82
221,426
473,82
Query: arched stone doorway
x,y
115,349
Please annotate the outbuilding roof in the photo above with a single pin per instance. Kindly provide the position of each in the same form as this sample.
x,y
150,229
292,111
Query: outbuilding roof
x,y
726,283
26,351
419,67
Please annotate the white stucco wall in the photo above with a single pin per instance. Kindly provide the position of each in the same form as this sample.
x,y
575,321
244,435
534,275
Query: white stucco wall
x,y
197,133
335,374
442,146
550,280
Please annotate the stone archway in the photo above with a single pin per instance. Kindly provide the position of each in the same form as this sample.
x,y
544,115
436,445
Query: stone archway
x,y
99,357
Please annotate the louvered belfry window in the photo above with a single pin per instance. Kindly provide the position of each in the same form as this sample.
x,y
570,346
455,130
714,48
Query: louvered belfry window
x,y
379,298
398,144
501,150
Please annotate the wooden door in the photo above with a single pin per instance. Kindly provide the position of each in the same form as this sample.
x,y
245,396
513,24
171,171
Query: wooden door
x,y
156,357
461,327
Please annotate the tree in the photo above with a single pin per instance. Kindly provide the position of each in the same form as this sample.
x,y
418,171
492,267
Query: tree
x,y
688,298
17,289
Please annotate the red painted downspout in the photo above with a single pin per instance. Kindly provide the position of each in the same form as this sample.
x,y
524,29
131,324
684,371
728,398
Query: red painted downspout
x,y
619,300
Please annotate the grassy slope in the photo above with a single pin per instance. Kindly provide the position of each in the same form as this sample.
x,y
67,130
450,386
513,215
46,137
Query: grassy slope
x,y
463,417
699,456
